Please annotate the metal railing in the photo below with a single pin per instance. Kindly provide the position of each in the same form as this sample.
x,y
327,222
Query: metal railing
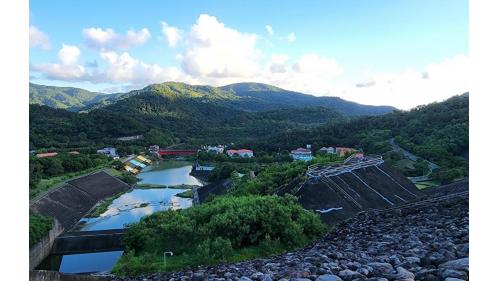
x,y
328,170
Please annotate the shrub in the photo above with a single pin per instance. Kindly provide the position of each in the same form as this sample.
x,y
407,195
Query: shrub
x,y
215,230
39,226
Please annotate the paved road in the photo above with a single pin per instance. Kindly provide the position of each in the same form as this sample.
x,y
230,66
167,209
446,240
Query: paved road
x,y
411,156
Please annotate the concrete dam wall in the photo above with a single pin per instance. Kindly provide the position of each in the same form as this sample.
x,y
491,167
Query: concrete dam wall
x,y
75,198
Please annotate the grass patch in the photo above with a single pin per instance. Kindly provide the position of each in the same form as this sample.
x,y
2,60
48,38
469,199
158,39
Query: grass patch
x,y
39,226
426,184
104,205
182,186
149,185
185,194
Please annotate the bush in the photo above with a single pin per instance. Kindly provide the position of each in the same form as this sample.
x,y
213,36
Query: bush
x,y
39,226
214,231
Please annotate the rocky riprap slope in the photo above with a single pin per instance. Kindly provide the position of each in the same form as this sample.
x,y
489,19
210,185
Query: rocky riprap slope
x,y
423,241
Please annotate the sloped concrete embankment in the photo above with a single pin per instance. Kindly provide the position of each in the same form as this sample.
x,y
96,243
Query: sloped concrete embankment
x,y
69,203
341,196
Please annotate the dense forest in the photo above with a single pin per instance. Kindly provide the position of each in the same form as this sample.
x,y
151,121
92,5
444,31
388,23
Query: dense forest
x,y
437,132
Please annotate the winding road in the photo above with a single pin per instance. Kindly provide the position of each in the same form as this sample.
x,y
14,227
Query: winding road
x,y
413,157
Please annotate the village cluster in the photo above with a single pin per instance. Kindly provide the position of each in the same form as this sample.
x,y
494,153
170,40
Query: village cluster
x,y
300,154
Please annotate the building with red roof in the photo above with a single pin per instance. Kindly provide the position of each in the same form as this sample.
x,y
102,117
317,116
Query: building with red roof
x,y
240,152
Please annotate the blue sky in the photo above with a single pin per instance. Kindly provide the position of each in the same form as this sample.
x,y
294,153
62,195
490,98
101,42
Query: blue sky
x,y
401,53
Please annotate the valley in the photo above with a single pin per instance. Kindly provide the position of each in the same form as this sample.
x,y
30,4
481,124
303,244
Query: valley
x,y
247,207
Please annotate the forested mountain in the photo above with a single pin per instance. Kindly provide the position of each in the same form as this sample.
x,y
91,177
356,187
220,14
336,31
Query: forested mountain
x,y
243,96
65,97
267,97
438,132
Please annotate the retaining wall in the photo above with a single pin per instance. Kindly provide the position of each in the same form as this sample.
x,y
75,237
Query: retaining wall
x,y
42,249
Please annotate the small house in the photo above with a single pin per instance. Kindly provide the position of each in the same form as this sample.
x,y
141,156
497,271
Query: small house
x,y
342,151
240,152
328,150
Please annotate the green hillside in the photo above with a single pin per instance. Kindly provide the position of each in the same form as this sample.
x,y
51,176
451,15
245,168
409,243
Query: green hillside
x,y
64,97
264,96
251,97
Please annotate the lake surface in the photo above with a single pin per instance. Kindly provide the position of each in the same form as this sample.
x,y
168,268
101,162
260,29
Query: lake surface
x,y
129,208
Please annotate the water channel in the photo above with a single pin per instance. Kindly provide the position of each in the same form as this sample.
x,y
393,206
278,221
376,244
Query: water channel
x,y
129,208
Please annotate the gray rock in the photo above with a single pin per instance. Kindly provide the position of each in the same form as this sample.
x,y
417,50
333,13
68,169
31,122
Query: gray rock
x,y
198,276
460,264
348,275
244,278
257,275
453,279
328,277
453,273
266,277
402,274
381,268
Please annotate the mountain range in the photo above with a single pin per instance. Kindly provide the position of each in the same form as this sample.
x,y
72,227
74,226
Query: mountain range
x,y
249,97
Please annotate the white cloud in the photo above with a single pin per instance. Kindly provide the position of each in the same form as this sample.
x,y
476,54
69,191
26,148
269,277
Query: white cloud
x,y
214,50
310,73
172,34
39,39
69,54
61,72
278,62
291,37
269,29
406,89
67,70
117,69
123,68
108,39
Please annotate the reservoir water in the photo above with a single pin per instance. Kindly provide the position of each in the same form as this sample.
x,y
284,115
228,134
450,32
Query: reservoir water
x,y
129,208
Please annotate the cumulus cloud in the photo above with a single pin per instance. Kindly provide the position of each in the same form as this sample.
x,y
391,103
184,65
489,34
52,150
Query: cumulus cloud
x,y
172,34
278,62
38,39
67,69
291,37
56,71
269,29
123,68
214,50
69,54
406,89
108,39
118,68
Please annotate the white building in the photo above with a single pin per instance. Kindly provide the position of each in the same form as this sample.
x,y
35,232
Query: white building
x,y
329,150
240,152
215,149
302,154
